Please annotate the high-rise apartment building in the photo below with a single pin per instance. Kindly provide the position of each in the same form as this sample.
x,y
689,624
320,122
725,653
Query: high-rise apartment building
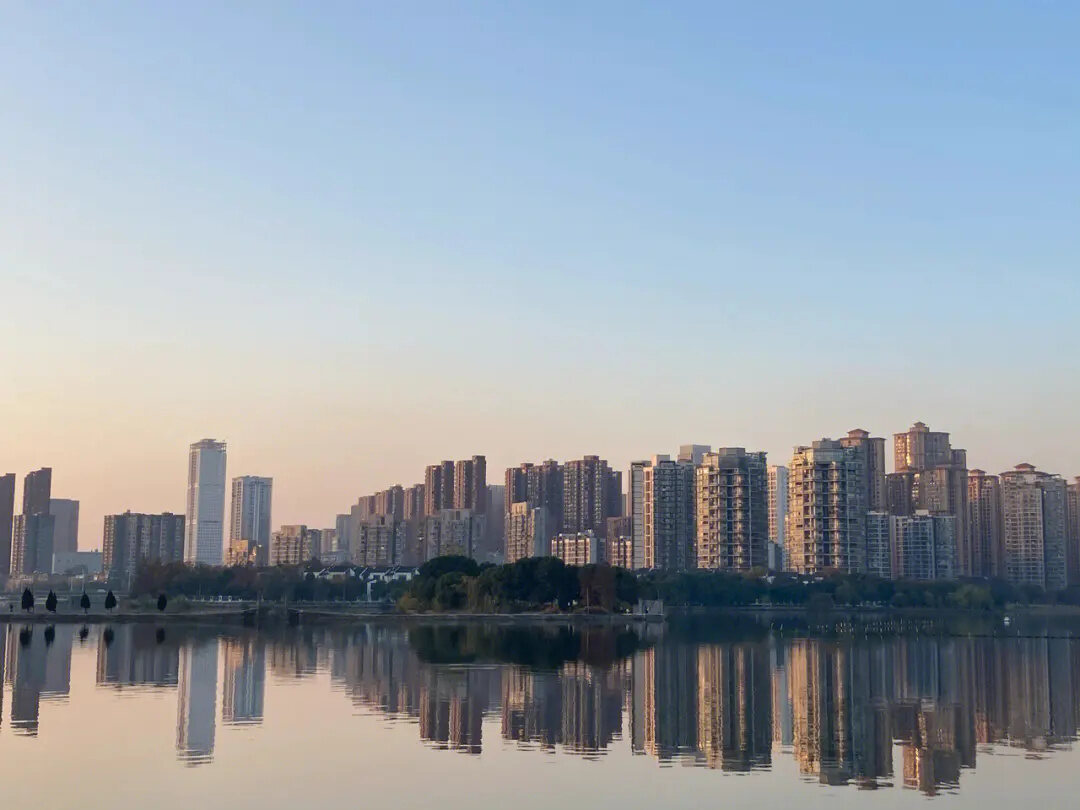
x,y
380,541
1072,502
984,524
778,508
932,476
37,492
826,526
32,544
470,484
576,548
732,510
879,544
7,519
693,453
452,532
439,487
65,524
33,530
205,503
872,451
527,532
662,514
1034,527
619,542
923,546
538,485
291,545
131,538
592,492
249,518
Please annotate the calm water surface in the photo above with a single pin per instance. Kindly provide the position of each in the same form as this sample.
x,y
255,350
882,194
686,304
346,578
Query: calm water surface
x,y
134,716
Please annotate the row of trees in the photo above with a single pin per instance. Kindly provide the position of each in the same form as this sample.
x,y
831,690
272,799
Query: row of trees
x,y
51,601
294,583
546,583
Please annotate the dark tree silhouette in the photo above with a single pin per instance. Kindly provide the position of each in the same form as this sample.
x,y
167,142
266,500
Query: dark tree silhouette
x,y
50,602
107,636
26,635
27,600
110,601
84,631
84,603
160,635
162,601
50,635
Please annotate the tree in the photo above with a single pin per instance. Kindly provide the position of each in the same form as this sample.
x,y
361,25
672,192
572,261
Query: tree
x,y
110,601
84,603
27,600
162,601
50,602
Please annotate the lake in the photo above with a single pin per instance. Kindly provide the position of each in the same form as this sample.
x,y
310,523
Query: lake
x,y
703,713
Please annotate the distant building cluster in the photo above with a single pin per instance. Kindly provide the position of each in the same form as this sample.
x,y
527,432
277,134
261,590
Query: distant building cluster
x,y
832,507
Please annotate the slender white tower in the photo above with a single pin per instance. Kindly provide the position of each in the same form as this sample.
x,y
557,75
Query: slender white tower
x,y
204,527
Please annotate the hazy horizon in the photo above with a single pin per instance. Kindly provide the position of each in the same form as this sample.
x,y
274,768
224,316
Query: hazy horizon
x,y
355,243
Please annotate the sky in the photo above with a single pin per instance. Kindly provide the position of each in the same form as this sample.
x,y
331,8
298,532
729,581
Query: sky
x,y
352,239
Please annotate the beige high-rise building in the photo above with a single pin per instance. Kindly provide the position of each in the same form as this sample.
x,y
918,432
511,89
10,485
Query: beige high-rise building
x,y
1035,527
923,546
873,457
731,510
456,532
576,548
290,545
826,526
932,476
527,533
380,541
984,524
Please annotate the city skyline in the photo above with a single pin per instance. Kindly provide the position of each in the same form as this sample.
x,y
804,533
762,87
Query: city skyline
x,y
90,516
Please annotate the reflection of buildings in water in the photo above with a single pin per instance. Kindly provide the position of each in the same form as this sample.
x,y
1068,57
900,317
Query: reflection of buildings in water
x,y
196,706
297,657
36,669
452,707
781,699
839,732
244,681
734,706
139,655
531,707
664,716
377,669
591,708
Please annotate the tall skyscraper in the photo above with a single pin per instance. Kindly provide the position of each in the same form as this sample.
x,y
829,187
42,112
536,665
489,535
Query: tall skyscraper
x,y
778,508
662,513
592,492
33,530
1072,500
1034,527
732,510
32,544
826,526
470,484
7,517
205,503
872,452
537,485
931,475
984,524
66,524
249,518
37,492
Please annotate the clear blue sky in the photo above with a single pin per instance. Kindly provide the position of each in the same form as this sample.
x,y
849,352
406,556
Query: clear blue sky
x,y
353,238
